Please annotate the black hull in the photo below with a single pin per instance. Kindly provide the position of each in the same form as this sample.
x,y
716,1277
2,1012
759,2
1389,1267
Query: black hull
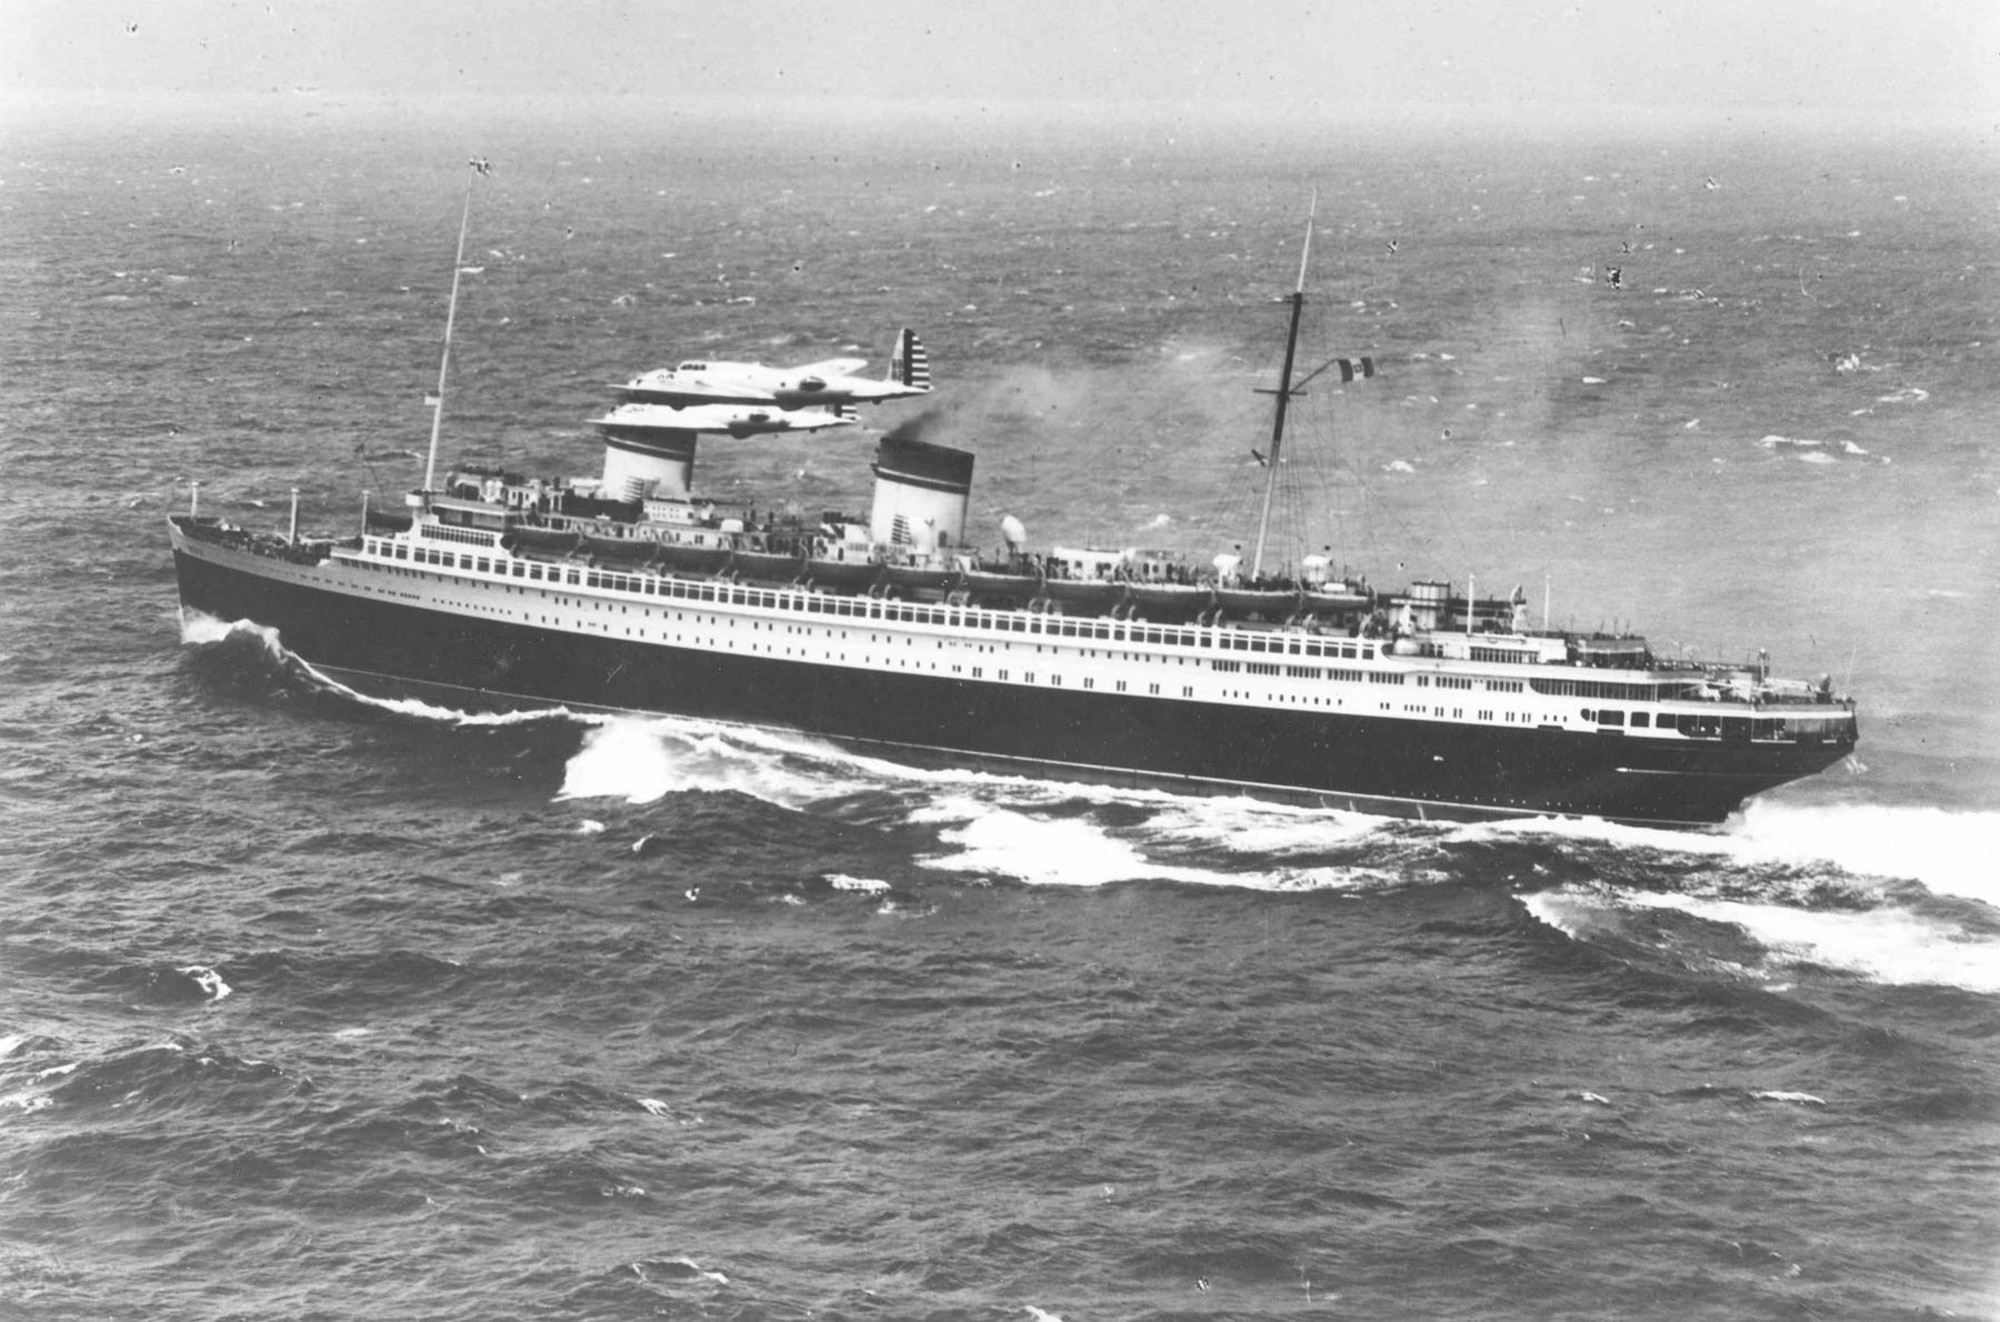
x,y
1371,764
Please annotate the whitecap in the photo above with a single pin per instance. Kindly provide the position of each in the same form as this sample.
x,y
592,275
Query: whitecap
x,y
1398,466
208,980
1068,851
699,1270
642,759
1799,1098
1950,853
1037,850
1252,826
1552,909
199,628
867,885
1890,946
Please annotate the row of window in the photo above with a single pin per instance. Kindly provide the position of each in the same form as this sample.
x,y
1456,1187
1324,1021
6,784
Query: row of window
x,y
1597,688
1692,724
444,532
1054,626
877,609
1697,725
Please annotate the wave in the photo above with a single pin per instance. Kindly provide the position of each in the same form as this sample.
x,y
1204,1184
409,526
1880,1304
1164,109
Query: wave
x,y
1049,832
1040,849
1813,887
1884,944
1038,832
199,629
643,759
417,709
208,980
1948,853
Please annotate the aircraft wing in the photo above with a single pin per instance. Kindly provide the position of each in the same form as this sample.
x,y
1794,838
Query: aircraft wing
x,y
665,388
756,421
735,419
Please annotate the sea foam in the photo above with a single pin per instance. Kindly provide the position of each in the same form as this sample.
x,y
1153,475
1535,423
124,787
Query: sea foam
x,y
1887,944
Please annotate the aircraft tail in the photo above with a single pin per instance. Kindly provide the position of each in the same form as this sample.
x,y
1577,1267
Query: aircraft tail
x,y
910,365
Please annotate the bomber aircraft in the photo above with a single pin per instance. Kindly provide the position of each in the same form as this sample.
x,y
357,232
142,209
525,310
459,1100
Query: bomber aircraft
x,y
700,381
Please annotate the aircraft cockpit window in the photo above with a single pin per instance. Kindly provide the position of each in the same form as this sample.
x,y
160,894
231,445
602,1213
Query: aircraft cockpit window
x,y
691,366
812,383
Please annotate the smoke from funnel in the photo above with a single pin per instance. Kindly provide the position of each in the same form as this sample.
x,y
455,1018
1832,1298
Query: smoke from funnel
x,y
918,427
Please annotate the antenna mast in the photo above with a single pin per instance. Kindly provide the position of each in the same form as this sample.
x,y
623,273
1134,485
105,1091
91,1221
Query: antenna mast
x,y
1284,392
480,166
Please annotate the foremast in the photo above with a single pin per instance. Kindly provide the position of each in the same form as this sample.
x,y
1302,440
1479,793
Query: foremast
x,y
480,166
1284,392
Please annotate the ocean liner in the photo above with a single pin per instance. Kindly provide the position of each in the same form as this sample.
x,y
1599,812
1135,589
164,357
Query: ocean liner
x,y
891,634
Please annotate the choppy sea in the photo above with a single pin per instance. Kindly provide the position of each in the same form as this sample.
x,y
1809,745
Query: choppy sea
x,y
318,1008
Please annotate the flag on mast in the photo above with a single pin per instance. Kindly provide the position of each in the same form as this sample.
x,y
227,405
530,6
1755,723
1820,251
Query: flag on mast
x,y
1353,367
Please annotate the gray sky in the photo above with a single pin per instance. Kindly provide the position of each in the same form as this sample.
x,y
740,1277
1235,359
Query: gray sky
x,y
1931,58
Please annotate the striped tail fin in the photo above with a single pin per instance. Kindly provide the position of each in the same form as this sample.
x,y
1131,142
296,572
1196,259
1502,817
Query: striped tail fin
x,y
910,365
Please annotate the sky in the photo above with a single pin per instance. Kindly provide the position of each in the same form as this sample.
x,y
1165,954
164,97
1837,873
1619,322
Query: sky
x,y
1929,59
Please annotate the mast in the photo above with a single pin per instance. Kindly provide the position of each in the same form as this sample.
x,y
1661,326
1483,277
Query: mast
x,y
479,166
1284,393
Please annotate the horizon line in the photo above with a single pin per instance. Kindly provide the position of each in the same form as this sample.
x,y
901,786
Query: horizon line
x,y
948,114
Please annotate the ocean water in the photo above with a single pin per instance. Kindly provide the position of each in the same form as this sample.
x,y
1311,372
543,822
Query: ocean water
x,y
313,1007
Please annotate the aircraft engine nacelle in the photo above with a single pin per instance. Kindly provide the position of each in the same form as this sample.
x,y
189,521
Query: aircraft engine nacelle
x,y
921,492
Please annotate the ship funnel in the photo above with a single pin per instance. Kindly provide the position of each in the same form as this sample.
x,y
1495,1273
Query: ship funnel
x,y
646,461
1013,533
921,491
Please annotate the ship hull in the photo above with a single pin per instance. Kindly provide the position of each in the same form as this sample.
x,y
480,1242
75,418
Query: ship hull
x,y
1380,764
